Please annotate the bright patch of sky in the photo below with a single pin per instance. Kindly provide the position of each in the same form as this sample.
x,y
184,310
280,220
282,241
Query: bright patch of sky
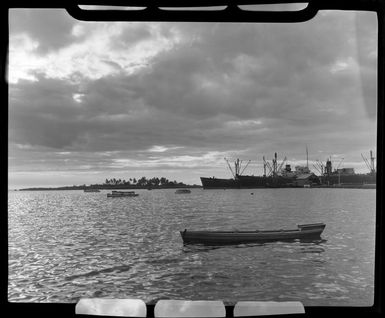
x,y
97,55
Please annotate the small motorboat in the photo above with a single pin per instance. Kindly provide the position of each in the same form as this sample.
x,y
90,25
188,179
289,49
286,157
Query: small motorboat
x,y
180,191
119,194
304,231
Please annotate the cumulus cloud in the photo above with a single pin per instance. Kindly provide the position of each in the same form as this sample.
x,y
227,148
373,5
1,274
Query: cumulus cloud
x,y
113,95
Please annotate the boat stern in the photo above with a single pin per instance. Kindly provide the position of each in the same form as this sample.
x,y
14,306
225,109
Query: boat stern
x,y
311,226
182,233
312,230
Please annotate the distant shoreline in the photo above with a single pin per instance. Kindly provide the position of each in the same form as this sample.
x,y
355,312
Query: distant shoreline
x,y
109,187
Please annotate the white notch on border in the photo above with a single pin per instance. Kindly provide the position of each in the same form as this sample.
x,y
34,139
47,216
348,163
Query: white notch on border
x,y
189,308
111,307
109,8
263,308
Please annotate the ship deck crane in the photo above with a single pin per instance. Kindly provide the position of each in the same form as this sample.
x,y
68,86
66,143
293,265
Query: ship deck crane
x,y
371,164
320,167
245,167
238,167
340,163
366,162
232,172
280,166
267,165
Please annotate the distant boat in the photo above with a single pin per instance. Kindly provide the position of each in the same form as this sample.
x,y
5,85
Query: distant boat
x,y
118,194
179,191
91,190
304,231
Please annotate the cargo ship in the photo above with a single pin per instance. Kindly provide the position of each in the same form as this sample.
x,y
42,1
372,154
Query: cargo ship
x,y
275,176
347,176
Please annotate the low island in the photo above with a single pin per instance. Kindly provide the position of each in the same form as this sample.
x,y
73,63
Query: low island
x,y
132,183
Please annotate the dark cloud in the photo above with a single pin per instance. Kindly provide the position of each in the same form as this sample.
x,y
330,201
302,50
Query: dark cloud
x,y
51,28
132,34
43,113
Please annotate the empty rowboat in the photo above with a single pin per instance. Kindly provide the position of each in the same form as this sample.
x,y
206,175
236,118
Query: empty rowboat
x,y
304,231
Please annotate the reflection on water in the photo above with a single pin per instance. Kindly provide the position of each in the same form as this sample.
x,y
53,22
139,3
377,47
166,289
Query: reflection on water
x,y
64,245
203,247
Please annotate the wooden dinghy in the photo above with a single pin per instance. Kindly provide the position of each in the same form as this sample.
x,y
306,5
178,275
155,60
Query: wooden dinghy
x,y
304,231
118,194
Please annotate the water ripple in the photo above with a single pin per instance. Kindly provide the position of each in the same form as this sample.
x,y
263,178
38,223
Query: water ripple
x,y
117,269
68,244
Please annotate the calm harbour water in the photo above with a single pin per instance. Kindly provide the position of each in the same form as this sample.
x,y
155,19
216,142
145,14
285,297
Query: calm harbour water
x,y
64,245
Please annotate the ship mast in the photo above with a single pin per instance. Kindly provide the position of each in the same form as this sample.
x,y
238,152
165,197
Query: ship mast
x,y
237,167
264,166
372,168
370,165
275,164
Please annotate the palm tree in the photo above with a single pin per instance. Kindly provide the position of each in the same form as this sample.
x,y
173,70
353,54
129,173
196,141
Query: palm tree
x,y
142,181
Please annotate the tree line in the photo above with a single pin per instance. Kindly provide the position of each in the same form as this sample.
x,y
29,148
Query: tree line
x,y
131,183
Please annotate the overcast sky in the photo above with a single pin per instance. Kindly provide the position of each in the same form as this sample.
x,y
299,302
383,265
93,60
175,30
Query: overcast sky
x,y
90,101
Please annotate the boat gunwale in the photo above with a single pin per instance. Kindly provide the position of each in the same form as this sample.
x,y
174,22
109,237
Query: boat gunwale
x,y
241,232
301,228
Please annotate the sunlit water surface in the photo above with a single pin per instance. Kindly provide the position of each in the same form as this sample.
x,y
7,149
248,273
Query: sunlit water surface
x,y
64,245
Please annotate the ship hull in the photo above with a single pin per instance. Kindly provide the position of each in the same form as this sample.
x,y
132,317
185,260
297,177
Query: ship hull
x,y
246,182
254,182
349,179
216,183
